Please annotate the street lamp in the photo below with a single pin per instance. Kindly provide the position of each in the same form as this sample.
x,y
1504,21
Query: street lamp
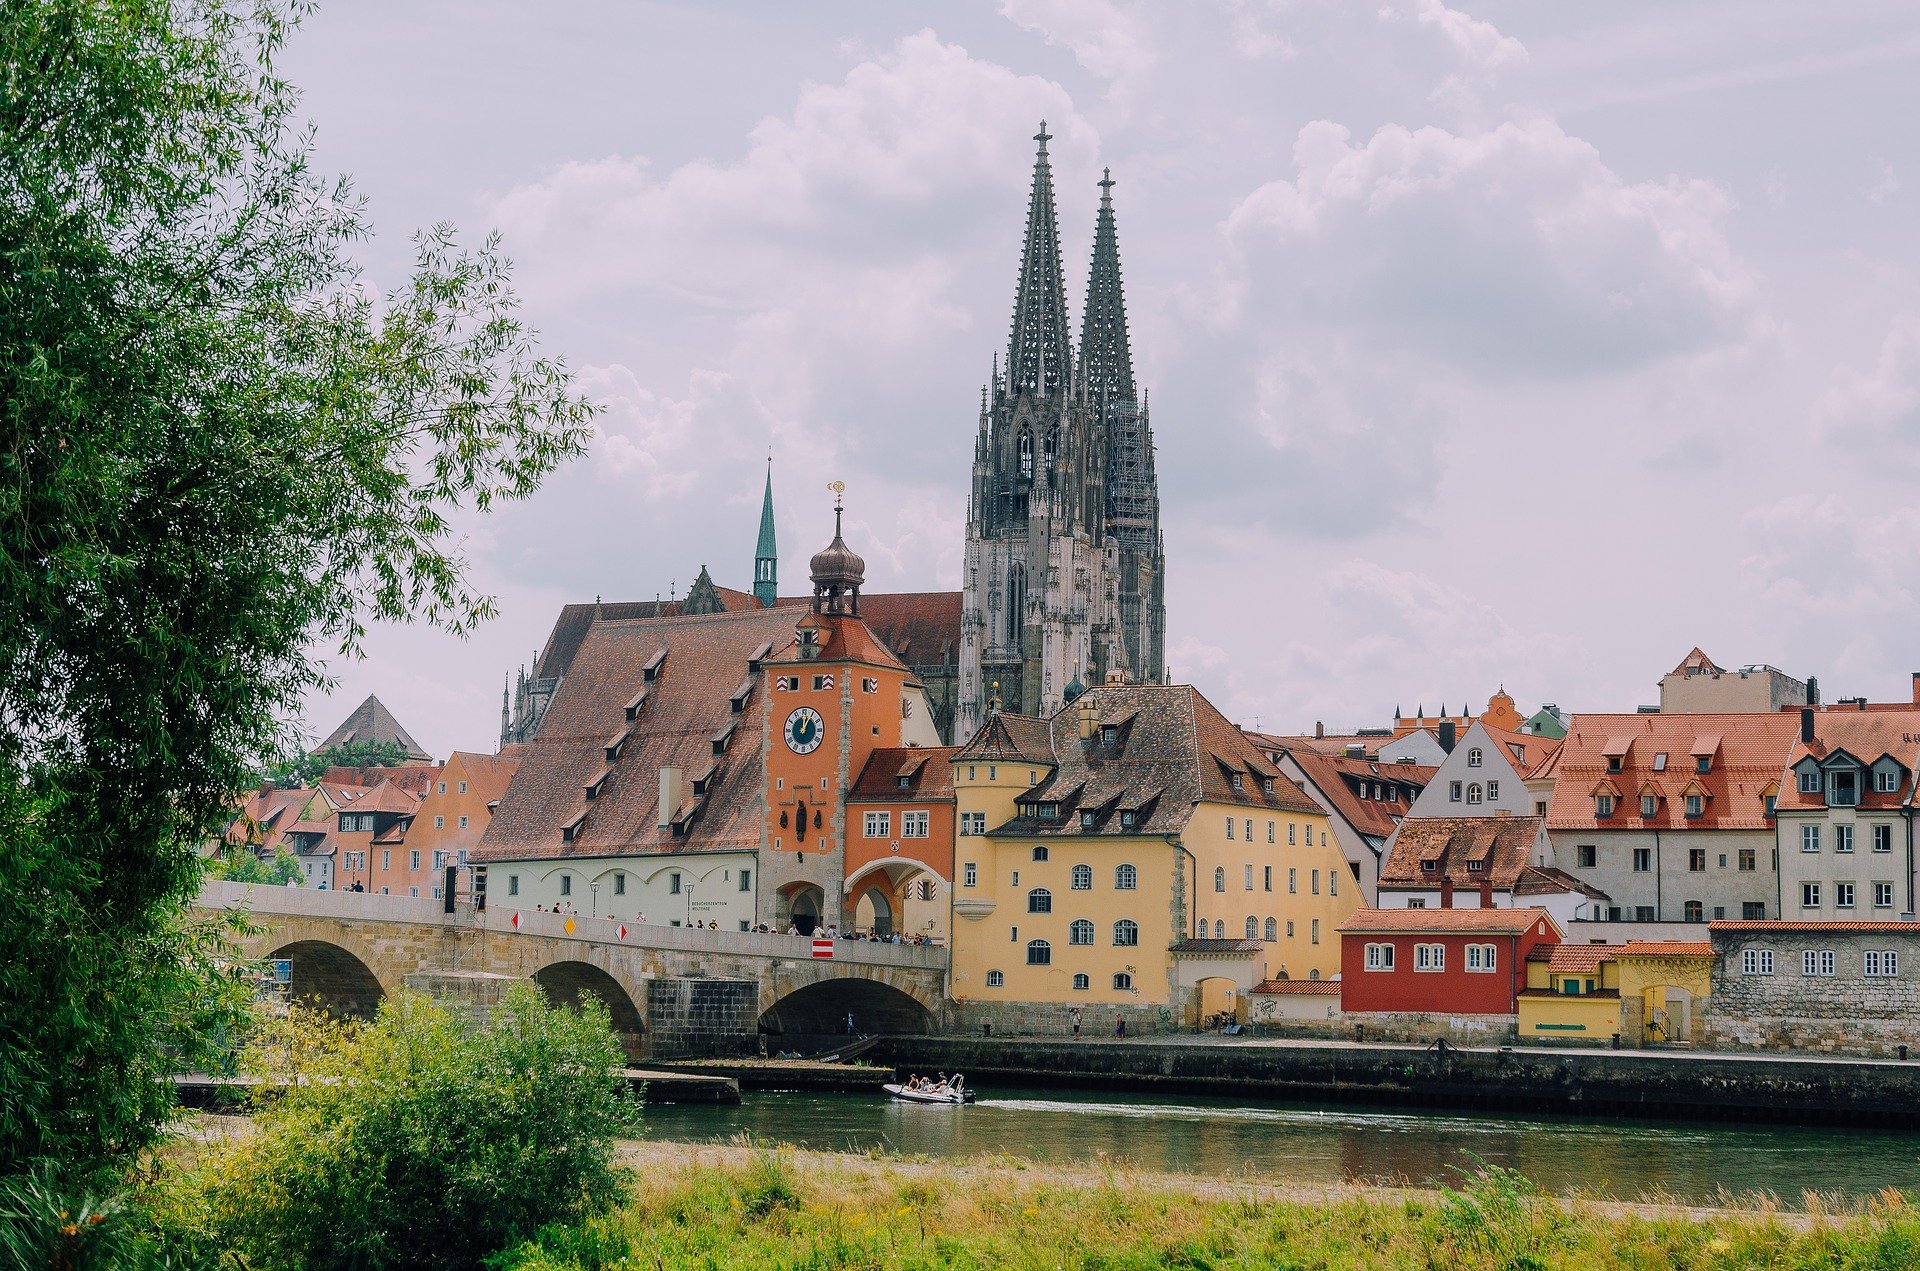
x,y
689,890
595,889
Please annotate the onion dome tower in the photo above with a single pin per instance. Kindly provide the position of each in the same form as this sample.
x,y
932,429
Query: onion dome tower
x,y
838,572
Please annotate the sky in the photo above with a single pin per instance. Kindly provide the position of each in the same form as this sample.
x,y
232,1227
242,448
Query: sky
x,y
1525,345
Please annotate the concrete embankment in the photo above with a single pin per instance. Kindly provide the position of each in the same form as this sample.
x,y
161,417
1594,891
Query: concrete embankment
x,y
1680,1084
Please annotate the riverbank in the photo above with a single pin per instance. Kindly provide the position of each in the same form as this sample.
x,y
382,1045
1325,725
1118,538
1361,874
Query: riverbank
x,y
1693,1085
737,1206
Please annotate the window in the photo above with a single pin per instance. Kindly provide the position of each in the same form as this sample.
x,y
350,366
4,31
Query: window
x,y
1473,793
1229,829
1809,838
1754,910
1039,901
1273,929
1843,895
1473,757
913,825
1845,788
620,884
1695,805
1693,911
1081,932
1882,962
1453,792
1816,962
1039,853
971,873
1249,877
1080,981
1643,913
1266,873
566,884
1843,838
1123,877
1039,953
746,884
386,858
1809,895
1087,819
1083,878
1696,860
1809,780
1883,895
1122,982
822,682
1219,878
1127,818
1493,791
1483,957
439,823
1249,829
1253,927
1747,859
879,824
1649,805
1883,838
1379,957
414,860
1603,805
995,979
1313,877
673,883
1588,855
513,884
868,685
1291,829
1293,880
1429,957
973,822
1126,933
1333,883
1270,829
1887,780
993,772
1642,860
1219,928
1756,961
443,787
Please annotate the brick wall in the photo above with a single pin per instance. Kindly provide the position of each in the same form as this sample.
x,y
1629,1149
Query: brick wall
x,y
703,1017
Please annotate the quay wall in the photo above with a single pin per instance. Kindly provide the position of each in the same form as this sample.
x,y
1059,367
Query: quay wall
x,y
1691,1085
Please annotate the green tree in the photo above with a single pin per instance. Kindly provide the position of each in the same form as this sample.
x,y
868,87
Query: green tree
x,y
305,769
217,448
243,864
424,1139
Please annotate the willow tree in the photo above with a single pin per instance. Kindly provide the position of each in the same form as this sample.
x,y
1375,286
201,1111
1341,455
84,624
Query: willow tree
x,y
220,449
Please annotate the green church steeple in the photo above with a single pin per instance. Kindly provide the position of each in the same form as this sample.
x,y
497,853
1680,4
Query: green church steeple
x,y
766,559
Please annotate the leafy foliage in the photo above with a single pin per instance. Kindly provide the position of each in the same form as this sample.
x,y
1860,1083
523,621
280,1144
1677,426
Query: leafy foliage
x,y
243,864
219,446
305,769
423,1139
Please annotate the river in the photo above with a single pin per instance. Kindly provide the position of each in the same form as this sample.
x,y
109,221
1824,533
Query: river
x,y
1324,1144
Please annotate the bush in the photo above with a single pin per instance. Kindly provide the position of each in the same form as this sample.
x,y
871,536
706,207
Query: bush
x,y
424,1139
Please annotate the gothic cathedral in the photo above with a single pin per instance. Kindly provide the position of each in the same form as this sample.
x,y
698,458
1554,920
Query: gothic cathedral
x,y
1065,572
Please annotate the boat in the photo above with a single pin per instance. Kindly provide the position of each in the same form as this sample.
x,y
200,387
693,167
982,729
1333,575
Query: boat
x,y
955,1092
840,1054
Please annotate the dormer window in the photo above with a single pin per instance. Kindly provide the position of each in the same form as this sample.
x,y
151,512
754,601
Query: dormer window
x,y
1809,780
1887,780
651,671
1843,787
1475,867
1109,735
1236,781
1126,820
1696,805
1603,806
1266,786
1050,811
1086,820
1430,866
906,783
1614,763
1649,804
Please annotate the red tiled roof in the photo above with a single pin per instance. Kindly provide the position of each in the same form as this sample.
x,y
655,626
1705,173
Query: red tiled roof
x,y
1340,779
921,627
1667,949
1417,921
928,770
1502,845
387,797
1868,735
1315,988
1838,924
1752,753
1574,959
1698,663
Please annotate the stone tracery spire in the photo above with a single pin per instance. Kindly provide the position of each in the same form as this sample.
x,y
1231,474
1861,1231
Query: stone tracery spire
x,y
1106,357
1039,354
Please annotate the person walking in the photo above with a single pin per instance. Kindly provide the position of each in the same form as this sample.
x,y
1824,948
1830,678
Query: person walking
x,y
1073,1016
1120,1026
849,1023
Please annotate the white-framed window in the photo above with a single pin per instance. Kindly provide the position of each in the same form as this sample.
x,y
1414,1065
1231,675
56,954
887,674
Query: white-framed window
x,y
1756,961
439,823
1080,980
1886,781
1249,872
1883,962
1379,957
913,825
1883,895
1219,928
1816,962
1081,932
1039,901
443,787
1809,895
463,787
1122,982
879,824
973,822
1429,957
1333,882
1082,878
970,875
1270,830
1493,791
1695,805
1124,877
1229,829
1843,838
1313,877
414,862
1266,877
1273,929
1883,838
1253,927
1126,933
1483,957
1603,805
1843,895
1473,793
1219,878
1453,791
1809,838
1039,953
995,979
1249,829
1291,828
1473,757
1293,880
463,823
1649,805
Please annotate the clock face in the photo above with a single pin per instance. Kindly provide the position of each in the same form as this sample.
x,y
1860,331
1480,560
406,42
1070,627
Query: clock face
x,y
804,731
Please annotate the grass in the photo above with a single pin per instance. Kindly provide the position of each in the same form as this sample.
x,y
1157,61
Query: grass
x,y
777,1209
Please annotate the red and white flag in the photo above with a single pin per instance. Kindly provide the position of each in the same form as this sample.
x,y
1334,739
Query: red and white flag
x,y
623,931
822,947
516,920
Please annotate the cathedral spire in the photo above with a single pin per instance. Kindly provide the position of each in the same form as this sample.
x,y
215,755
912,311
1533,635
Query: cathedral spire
x,y
1039,356
1106,358
766,562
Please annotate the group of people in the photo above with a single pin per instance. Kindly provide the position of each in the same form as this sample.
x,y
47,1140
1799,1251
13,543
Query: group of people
x,y
832,932
935,1085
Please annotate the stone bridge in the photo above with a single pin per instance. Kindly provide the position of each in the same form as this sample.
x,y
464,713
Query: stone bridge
x,y
670,990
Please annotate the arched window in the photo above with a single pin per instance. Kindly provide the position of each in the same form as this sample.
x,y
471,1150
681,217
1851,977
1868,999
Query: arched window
x,y
1039,853
1473,793
1050,448
1126,933
1273,929
1081,932
1474,757
1039,901
1123,877
1253,928
1219,928
1122,981
1083,878
1039,953
1026,454
995,979
1081,981
1220,878
1016,602
1314,974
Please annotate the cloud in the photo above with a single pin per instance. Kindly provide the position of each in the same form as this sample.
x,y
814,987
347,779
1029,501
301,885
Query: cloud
x,y
1516,250
1878,409
1106,39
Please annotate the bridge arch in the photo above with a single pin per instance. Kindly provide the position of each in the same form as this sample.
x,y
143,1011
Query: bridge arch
x,y
332,977
821,1008
567,982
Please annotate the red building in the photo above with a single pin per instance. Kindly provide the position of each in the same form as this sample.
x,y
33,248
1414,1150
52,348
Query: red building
x,y
1442,961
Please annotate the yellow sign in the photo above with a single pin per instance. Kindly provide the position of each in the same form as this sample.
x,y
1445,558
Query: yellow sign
x,y
569,924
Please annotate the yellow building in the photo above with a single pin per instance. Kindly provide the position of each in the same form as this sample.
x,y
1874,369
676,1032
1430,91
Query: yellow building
x,y
1136,857
1643,991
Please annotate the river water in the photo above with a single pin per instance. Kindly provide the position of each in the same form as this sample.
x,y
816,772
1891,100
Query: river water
x,y
1325,1144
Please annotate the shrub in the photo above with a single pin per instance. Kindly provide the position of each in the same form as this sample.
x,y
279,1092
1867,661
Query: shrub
x,y
424,1139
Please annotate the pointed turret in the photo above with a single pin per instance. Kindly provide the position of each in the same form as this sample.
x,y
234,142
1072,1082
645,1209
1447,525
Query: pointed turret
x,y
1039,356
1106,358
766,562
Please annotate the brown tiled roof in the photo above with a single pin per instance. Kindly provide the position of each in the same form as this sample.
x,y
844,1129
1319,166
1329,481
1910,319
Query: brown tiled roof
x,y
1173,750
1524,750
1752,753
489,775
387,797
570,628
921,627
1868,735
1216,946
1340,779
372,721
1667,949
928,769
1546,880
1008,738
842,638
688,702
1697,662
1314,988
1418,921
1503,845
1574,959
1846,924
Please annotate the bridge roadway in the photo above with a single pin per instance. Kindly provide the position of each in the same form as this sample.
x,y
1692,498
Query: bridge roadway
x,y
670,990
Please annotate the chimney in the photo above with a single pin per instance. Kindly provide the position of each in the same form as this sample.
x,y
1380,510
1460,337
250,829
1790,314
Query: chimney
x,y
1916,688
1088,718
1486,893
669,795
1320,727
1806,725
1447,735
1446,893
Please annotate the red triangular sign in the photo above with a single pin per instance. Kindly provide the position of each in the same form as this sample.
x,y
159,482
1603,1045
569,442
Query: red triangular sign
x,y
623,931
516,920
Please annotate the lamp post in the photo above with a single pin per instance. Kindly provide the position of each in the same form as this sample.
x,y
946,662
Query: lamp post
x,y
595,889
689,891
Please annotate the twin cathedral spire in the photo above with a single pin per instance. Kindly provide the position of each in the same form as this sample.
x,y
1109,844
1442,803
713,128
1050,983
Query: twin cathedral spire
x,y
1064,561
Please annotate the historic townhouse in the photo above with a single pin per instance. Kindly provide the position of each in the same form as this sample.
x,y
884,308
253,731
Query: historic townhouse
x,y
1484,773
1445,962
900,831
1846,986
1846,812
1672,816
1482,862
453,815
1134,854
1364,798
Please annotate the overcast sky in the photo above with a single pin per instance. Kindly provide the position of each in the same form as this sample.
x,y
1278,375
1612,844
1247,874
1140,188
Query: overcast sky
x,y
1532,344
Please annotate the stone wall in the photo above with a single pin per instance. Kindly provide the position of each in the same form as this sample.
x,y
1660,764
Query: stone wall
x,y
1050,1019
703,1017
1424,1028
1846,1013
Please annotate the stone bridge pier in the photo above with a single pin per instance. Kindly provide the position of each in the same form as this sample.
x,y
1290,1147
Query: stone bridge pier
x,y
669,991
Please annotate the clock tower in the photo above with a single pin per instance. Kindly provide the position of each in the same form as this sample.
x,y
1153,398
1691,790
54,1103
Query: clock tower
x,y
837,694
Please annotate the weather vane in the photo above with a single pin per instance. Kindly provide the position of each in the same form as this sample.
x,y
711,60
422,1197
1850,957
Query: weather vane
x,y
839,488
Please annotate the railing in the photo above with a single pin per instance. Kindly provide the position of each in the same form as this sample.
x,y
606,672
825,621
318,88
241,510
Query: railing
x,y
305,902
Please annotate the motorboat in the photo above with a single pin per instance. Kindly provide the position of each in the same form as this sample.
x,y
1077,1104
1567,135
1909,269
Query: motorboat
x,y
950,1092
